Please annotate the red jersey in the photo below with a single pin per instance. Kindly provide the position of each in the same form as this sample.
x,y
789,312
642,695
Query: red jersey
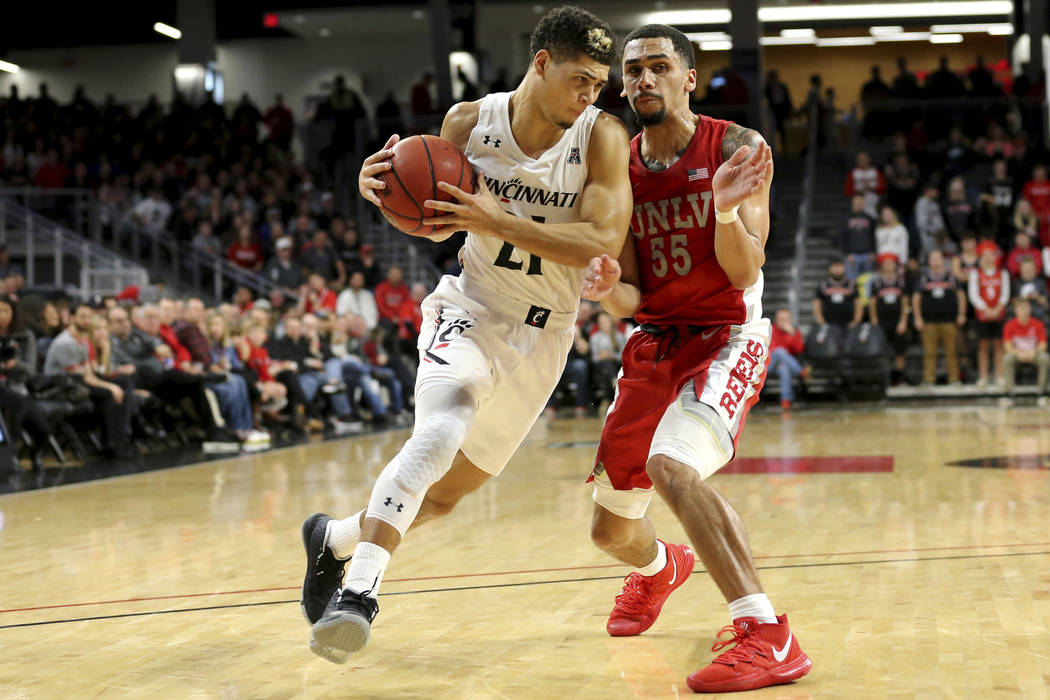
x,y
673,227
1026,336
988,290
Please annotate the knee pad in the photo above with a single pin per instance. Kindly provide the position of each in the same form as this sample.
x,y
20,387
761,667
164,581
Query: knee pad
x,y
693,433
391,502
428,454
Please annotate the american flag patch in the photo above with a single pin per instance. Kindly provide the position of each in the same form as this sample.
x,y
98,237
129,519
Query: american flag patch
x,y
698,174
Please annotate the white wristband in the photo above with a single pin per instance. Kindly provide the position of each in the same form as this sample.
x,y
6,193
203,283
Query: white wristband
x,y
726,217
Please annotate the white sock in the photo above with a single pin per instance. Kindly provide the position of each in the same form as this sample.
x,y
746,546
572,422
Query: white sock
x,y
756,605
656,565
343,535
366,568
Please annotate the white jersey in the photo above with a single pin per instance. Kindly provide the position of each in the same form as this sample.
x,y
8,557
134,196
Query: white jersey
x,y
545,189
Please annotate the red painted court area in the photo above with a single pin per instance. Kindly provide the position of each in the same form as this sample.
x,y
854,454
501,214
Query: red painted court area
x,y
809,465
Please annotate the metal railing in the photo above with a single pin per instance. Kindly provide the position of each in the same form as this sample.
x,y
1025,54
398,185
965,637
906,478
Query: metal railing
x,y
798,264
176,263
43,242
179,264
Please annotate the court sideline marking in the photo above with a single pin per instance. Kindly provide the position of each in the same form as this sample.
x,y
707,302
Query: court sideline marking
x,y
493,586
511,573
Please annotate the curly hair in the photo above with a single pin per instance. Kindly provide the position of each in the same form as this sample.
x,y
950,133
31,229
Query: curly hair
x,y
682,46
570,31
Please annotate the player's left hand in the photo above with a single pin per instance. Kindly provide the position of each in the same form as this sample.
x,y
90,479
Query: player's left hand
x,y
478,213
601,276
741,177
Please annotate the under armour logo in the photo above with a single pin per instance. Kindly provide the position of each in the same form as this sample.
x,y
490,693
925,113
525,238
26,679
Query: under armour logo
x,y
495,142
389,501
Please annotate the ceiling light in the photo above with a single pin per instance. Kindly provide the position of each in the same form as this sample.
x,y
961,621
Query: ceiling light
x,y
325,32
167,30
798,33
716,45
707,36
675,17
878,31
786,40
9,67
904,36
946,39
847,41
299,19
889,10
970,28
418,14
1000,29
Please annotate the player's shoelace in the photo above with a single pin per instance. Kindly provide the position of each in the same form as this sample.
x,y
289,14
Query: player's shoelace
x,y
746,646
636,598
328,568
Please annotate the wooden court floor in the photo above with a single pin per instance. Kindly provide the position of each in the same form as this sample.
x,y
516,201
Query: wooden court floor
x,y
904,577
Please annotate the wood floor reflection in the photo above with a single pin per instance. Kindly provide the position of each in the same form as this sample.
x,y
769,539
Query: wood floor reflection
x,y
923,580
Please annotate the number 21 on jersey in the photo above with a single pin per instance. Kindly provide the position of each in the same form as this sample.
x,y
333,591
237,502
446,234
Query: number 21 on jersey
x,y
503,258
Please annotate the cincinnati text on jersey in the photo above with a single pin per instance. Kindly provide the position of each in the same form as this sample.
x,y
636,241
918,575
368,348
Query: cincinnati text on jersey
x,y
667,214
514,190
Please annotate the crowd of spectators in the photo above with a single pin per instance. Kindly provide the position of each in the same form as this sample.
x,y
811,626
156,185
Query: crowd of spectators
x,y
942,233
588,382
230,375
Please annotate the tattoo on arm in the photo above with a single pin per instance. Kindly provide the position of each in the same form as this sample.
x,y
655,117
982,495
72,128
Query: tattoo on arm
x,y
737,136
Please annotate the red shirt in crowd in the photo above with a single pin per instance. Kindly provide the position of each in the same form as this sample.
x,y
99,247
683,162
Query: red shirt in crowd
x,y
259,360
1013,261
247,255
1025,336
182,355
862,180
389,299
279,121
325,299
51,175
410,313
1038,193
792,342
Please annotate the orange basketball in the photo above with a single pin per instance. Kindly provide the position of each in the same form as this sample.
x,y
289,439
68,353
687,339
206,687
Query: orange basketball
x,y
418,164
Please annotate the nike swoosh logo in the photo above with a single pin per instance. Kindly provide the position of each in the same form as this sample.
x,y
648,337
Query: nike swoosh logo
x,y
708,334
781,654
674,576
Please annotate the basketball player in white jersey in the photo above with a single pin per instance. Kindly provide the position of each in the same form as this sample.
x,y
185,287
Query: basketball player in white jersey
x,y
554,194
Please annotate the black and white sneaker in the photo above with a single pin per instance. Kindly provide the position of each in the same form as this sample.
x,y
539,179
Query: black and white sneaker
x,y
345,626
324,573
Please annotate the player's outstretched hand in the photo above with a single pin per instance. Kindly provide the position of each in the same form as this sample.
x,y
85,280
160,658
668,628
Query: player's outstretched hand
x,y
478,213
741,177
375,164
601,276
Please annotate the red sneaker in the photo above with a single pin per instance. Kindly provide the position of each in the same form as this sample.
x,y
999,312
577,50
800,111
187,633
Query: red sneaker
x,y
638,605
765,654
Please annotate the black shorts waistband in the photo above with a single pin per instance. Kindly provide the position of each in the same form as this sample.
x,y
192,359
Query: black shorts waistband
x,y
655,330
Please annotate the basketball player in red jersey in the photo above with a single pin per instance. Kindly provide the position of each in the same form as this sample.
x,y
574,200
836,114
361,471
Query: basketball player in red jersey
x,y
691,275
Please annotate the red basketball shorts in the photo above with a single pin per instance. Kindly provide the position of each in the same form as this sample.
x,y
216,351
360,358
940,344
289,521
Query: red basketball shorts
x,y
667,380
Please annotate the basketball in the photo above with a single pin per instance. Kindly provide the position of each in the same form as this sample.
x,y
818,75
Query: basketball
x,y
418,164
